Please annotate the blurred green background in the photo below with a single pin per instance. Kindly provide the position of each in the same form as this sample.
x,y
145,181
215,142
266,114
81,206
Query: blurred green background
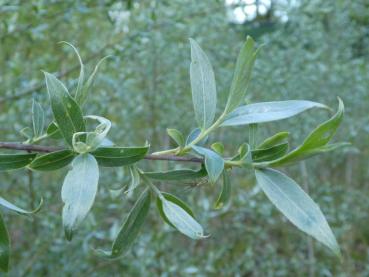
x,y
314,50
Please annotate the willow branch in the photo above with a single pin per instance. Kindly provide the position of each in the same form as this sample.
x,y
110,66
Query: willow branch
x,y
49,149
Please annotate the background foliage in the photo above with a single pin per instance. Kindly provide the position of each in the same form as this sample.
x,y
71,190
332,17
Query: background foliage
x,y
313,50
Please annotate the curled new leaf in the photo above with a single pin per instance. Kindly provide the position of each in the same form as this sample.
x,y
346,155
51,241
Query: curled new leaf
x,y
119,156
79,191
67,113
204,95
15,161
4,246
131,227
52,161
268,111
296,205
93,139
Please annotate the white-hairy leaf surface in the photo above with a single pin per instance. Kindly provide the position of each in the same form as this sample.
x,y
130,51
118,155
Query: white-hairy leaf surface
x,y
296,205
78,191
204,95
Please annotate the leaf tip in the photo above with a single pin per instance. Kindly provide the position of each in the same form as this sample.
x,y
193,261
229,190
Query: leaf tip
x,y
68,232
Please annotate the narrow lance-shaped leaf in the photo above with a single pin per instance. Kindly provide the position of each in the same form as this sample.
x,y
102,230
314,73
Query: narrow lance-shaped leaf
x,y
193,135
176,136
38,119
52,161
175,200
316,142
67,113
214,163
53,131
4,246
181,219
269,154
15,161
79,191
296,205
242,75
131,227
82,94
119,156
268,111
274,140
177,174
14,208
81,77
135,179
204,96
225,194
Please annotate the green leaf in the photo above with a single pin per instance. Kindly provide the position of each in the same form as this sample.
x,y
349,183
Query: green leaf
x,y
193,135
177,175
214,163
225,194
316,141
181,219
297,206
27,132
81,77
218,147
175,200
67,113
243,153
81,95
4,246
204,95
269,154
16,209
135,179
38,119
15,161
52,161
53,131
131,227
78,192
177,136
274,140
268,111
119,156
242,75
